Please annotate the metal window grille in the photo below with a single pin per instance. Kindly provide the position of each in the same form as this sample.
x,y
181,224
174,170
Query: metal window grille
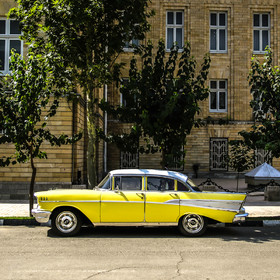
x,y
262,156
218,154
129,160
178,162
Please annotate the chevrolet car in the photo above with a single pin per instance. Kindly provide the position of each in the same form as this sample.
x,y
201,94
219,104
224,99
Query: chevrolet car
x,y
134,197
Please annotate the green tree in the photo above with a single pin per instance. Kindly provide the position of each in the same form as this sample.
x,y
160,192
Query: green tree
x,y
264,79
89,35
241,157
29,97
162,101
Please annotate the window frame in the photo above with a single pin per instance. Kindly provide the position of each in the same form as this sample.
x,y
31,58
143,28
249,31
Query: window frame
x,y
218,27
129,45
122,99
261,28
8,37
121,182
174,26
160,178
218,91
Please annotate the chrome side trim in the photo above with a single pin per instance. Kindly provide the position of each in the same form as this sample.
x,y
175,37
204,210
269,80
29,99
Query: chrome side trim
x,y
145,224
223,205
212,208
67,201
227,205
41,216
123,201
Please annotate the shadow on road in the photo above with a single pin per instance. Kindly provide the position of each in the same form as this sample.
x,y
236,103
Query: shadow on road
x,y
229,234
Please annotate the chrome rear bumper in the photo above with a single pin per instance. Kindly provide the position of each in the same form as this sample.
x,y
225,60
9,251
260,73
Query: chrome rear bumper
x,y
241,216
40,215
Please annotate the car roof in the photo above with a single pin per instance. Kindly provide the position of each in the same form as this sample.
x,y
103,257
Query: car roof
x,y
150,172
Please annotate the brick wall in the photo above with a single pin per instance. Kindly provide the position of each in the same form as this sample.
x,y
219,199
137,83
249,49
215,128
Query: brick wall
x,y
232,66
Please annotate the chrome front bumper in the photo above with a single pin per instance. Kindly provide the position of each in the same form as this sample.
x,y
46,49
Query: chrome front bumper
x,y
41,216
240,217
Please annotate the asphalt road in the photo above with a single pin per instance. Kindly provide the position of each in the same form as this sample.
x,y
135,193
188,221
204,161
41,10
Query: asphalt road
x,y
140,253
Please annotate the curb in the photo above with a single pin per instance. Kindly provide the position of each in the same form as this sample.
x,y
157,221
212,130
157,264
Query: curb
x,y
21,222
260,222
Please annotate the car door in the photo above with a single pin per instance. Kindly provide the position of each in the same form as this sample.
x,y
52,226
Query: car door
x,y
125,202
162,202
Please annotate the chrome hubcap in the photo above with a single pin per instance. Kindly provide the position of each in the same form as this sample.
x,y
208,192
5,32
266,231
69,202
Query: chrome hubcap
x,y
193,223
66,221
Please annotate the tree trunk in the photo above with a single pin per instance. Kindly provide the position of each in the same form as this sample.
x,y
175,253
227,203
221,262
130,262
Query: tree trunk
x,y
91,153
31,188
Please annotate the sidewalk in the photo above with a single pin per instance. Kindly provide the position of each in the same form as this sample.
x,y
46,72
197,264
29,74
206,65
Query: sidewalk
x,y
255,205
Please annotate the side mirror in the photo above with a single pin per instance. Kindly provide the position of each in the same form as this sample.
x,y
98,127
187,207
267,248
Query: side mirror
x,y
117,189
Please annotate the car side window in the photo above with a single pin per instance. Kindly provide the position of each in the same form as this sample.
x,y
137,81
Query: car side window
x,y
181,187
160,184
128,183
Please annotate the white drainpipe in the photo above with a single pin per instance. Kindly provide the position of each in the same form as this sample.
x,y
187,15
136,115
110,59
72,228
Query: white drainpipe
x,y
105,129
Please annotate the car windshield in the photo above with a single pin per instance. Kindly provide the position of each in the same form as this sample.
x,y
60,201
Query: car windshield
x,y
193,185
105,184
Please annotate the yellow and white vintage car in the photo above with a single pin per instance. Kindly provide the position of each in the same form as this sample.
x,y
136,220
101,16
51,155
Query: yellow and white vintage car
x,y
139,197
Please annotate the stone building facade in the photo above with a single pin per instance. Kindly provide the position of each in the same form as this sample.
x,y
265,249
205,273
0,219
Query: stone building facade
x,y
232,31
66,165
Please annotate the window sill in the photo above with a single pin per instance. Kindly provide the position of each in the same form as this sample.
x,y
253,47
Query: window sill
x,y
218,52
259,52
218,111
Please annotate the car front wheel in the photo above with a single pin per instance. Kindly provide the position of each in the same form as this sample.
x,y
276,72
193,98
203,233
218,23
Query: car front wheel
x,y
192,225
66,222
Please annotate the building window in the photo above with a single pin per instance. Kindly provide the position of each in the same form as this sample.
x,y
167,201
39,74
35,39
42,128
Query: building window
x,y
123,102
9,39
174,29
129,46
218,154
175,161
218,96
129,160
218,32
261,32
262,156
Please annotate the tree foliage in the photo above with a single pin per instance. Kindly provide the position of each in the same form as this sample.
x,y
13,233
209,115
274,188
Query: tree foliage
x,y
241,157
162,101
88,35
29,97
264,79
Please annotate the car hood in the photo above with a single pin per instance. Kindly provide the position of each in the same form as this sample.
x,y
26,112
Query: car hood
x,y
67,194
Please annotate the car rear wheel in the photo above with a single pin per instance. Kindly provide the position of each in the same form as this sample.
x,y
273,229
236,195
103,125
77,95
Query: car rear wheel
x,y
66,222
192,225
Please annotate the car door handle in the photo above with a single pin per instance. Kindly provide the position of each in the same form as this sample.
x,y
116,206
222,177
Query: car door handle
x,y
141,195
174,195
